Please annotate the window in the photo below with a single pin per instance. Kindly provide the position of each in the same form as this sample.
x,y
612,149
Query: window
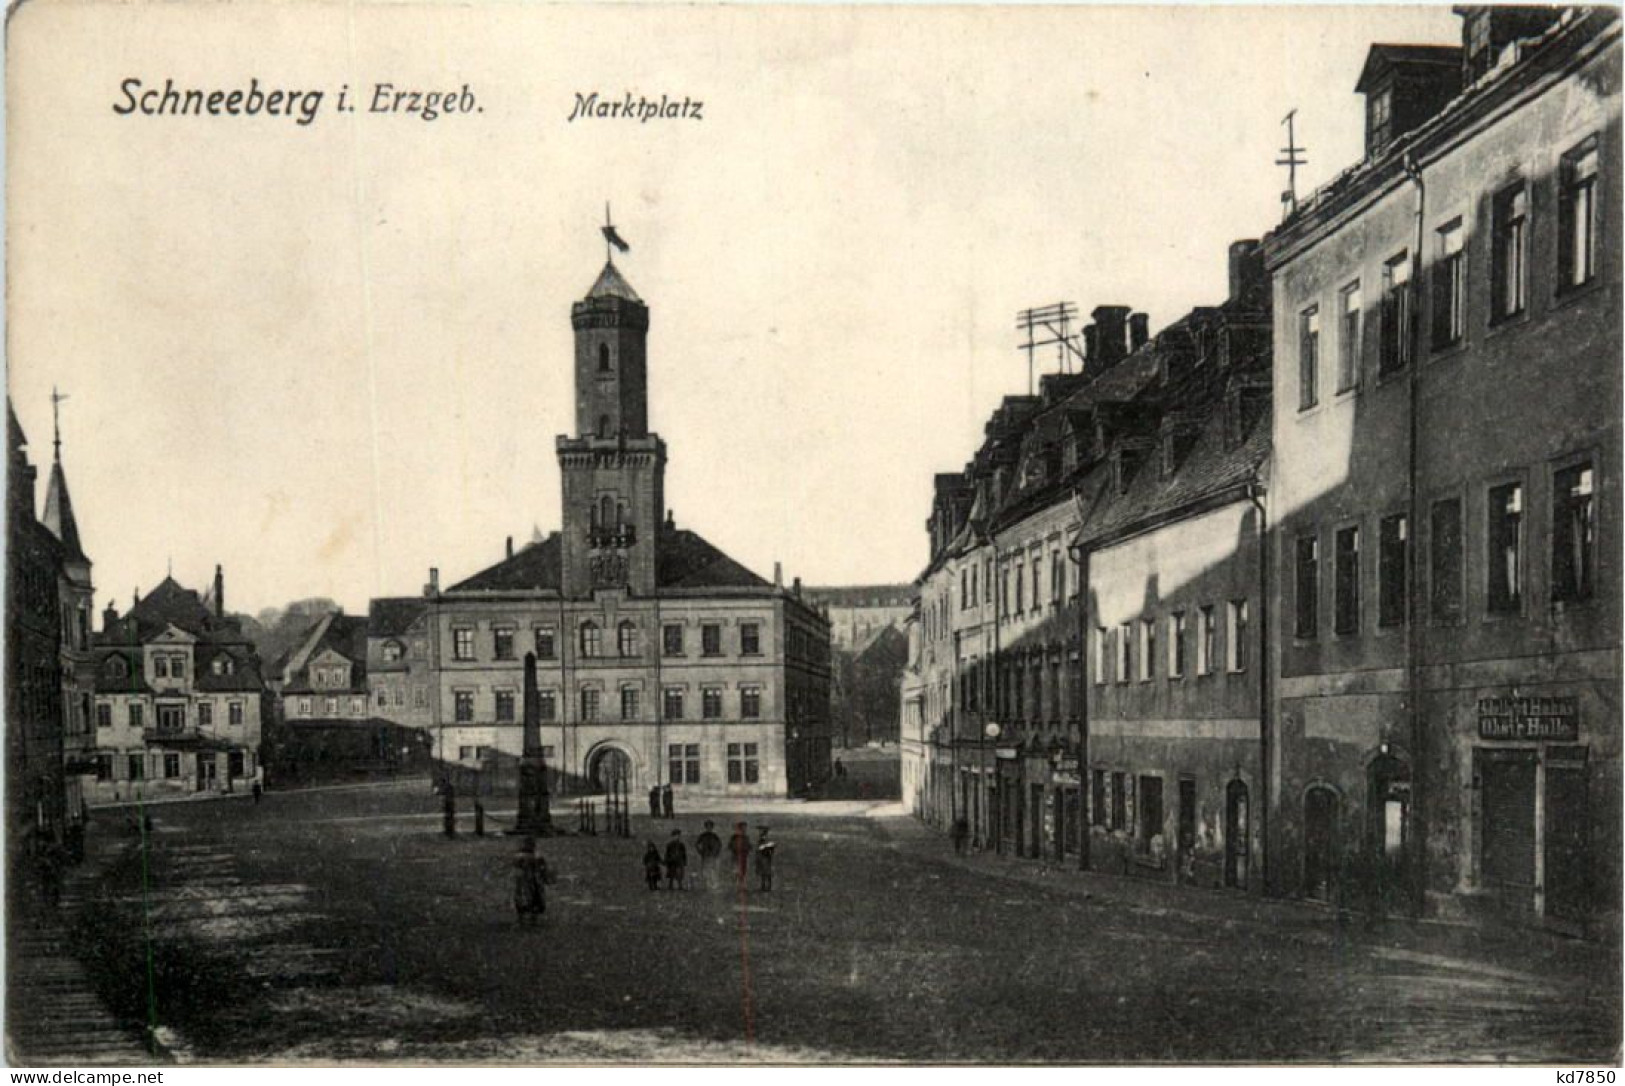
x,y
104,716
626,639
674,703
1308,586
504,706
683,763
171,718
711,703
603,358
1510,286
1398,315
1574,540
420,698
463,706
1102,635
546,647
1346,586
205,714
502,642
392,652
1125,635
592,640
138,767
1577,213
1444,530
177,666
234,764
1097,798
750,702
672,636
589,703
1119,802
383,698
629,703
1379,119
172,766
465,754
332,706
1177,629
1449,287
742,764
305,708
547,704
223,665
750,639
1021,587
462,643
1150,820
136,715
1148,649
710,639
1236,636
1392,570
160,667
1308,357
104,767
1348,345
1505,536
1038,581
1057,578
1206,635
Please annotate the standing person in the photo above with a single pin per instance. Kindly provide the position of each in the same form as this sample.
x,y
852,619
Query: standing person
x,y
530,876
710,847
739,847
665,801
676,860
961,833
651,866
654,802
764,860
258,791
448,810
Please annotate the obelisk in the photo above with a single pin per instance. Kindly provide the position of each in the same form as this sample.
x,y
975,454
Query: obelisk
x,y
534,818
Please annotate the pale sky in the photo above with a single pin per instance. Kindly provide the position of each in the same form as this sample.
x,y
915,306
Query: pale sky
x,y
331,356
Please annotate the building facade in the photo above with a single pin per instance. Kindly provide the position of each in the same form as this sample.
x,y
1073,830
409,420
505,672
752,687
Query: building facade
x,y
179,699
660,659
1447,435
868,651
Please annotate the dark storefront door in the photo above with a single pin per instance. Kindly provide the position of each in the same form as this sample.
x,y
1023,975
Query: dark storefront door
x,y
1235,835
1567,846
1035,814
1319,843
1072,821
1509,828
1187,826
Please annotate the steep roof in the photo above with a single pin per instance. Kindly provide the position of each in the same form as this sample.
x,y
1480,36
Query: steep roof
x,y
1385,55
536,566
343,634
59,516
394,615
170,604
612,284
685,560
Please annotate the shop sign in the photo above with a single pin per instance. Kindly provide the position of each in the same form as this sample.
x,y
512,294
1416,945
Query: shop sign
x,y
1061,776
1005,752
1549,719
1066,764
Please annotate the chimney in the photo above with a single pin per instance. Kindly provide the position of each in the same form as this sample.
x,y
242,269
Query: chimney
x,y
671,521
795,587
1246,268
1139,331
433,587
109,616
219,592
135,597
778,575
1112,321
510,546
1091,348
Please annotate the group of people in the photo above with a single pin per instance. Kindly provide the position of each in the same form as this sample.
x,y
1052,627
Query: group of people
x,y
660,805
674,863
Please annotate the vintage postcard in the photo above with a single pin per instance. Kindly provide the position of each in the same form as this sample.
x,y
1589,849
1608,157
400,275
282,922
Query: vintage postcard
x,y
655,534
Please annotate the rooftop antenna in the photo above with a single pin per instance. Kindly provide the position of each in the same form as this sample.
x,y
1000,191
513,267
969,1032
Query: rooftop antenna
x,y
1289,198
56,421
1045,326
612,240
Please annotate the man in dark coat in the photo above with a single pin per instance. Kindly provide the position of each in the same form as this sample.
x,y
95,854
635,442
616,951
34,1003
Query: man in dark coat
x,y
651,866
764,860
739,848
448,810
676,860
654,802
665,801
710,847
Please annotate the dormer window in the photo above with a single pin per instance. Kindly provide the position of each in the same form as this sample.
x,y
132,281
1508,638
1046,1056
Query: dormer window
x,y
222,665
1124,464
1379,119
392,651
117,668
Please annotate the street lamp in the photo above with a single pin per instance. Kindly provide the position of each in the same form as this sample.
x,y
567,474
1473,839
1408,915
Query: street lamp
x,y
991,731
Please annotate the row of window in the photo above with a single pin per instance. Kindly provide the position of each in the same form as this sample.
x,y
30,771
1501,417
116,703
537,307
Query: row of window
x,y
1572,552
1578,229
163,766
356,706
171,718
420,697
683,763
1130,652
167,666
628,641
673,704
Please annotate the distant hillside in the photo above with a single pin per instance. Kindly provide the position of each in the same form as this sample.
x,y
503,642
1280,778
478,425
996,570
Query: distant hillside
x,y
275,630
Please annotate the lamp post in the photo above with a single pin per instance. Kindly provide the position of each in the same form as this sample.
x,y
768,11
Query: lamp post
x,y
990,732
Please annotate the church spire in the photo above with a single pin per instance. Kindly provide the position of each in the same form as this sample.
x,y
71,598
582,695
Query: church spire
x,y
59,516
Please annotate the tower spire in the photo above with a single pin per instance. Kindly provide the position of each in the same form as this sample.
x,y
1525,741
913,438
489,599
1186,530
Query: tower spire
x,y
56,422
58,515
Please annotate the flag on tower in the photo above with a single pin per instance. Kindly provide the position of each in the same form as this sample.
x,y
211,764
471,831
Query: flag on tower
x,y
615,239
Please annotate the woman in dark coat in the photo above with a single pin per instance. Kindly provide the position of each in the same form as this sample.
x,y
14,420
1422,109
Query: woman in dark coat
x,y
530,877
676,860
651,866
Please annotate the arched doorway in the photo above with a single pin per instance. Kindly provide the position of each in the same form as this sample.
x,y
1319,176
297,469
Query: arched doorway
x,y
1236,832
1319,843
609,769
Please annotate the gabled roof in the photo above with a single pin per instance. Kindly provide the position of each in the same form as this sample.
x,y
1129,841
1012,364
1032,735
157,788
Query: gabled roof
x,y
1384,57
170,604
59,516
537,566
393,616
611,284
337,633
685,560
244,676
